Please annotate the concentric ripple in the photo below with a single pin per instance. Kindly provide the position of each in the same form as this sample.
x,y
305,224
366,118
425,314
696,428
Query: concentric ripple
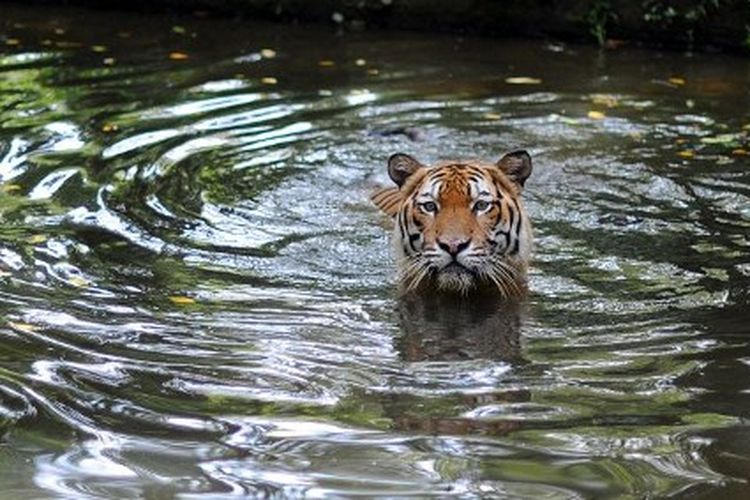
x,y
198,298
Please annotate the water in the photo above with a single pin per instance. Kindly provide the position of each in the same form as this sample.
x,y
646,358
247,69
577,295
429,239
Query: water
x,y
198,299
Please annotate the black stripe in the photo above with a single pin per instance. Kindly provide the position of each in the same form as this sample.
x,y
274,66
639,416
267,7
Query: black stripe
x,y
518,228
402,230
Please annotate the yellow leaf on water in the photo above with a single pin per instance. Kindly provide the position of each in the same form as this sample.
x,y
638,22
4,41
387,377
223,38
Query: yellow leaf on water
x,y
686,153
12,41
99,48
605,100
269,80
59,31
326,63
523,80
64,44
178,56
178,29
36,239
23,327
181,300
746,126
79,282
268,53
492,116
110,127
720,139
360,62
109,61
676,80
596,115
373,72
740,152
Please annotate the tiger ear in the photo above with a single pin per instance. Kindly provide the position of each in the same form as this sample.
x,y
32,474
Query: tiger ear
x,y
401,166
516,165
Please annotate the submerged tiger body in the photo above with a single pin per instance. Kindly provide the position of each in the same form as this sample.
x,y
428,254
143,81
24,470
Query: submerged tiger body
x,y
460,226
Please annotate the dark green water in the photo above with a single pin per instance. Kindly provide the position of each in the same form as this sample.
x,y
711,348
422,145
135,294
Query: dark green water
x,y
197,299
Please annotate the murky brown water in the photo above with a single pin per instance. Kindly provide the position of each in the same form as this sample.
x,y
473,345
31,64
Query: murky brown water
x,y
198,299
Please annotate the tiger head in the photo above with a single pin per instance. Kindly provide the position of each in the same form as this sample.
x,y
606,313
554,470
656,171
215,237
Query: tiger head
x,y
460,226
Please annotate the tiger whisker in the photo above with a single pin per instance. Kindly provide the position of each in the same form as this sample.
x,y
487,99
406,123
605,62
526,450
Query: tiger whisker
x,y
509,275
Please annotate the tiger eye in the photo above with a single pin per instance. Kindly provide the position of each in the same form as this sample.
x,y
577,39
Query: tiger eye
x,y
429,206
481,205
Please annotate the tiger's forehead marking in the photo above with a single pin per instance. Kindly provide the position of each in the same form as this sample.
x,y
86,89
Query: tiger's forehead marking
x,y
461,178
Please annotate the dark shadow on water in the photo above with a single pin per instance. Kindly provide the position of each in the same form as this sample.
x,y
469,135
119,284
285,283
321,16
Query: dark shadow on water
x,y
440,327
451,328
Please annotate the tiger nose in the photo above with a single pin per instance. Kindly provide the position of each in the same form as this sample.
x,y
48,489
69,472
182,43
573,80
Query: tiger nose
x,y
453,246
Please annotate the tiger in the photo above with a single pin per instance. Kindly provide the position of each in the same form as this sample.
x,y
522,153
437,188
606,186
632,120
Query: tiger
x,y
460,226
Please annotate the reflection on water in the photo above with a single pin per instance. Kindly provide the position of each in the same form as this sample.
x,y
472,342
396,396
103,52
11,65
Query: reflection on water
x,y
198,298
452,328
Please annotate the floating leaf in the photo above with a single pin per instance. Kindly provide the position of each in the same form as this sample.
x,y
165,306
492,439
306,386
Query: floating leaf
x,y
63,44
36,239
523,80
605,100
178,56
99,48
596,115
23,327
360,62
59,31
720,139
178,29
492,116
78,282
110,127
676,80
268,53
686,153
373,72
740,152
326,63
109,61
269,80
181,300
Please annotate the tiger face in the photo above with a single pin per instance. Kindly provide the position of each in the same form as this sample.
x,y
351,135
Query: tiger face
x,y
460,226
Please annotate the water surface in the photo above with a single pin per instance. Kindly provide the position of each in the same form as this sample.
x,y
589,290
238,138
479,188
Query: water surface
x,y
197,297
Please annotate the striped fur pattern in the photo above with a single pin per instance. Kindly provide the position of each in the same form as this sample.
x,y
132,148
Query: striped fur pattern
x,y
460,226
